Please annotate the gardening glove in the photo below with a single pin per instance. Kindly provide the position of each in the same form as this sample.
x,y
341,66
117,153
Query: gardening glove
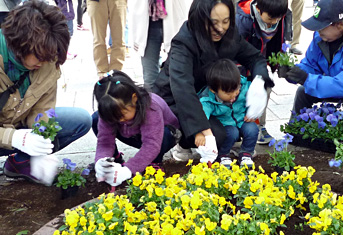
x,y
30,143
121,173
103,167
296,75
44,168
209,152
256,98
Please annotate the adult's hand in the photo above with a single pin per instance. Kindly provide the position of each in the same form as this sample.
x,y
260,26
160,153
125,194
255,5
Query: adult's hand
x,y
44,168
256,98
296,75
200,139
31,143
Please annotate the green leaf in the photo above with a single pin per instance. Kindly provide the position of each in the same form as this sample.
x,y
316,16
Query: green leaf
x,y
23,232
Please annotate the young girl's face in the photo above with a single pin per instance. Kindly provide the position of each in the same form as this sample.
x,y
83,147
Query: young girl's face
x,y
229,96
130,110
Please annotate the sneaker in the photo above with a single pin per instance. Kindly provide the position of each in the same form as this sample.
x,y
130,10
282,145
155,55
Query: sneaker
x,y
245,159
263,136
226,161
295,51
81,28
71,56
13,169
181,154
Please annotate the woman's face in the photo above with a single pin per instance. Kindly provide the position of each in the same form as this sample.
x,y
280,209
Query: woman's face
x,y
220,16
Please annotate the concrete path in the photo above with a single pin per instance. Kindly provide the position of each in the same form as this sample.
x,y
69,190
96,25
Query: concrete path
x,y
75,89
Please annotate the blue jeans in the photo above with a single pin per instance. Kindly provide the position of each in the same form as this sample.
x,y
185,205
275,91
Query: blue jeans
x,y
75,123
70,27
249,133
135,141
150,60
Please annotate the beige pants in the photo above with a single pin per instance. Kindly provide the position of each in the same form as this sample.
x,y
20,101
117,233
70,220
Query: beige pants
x,y
297,7
101,13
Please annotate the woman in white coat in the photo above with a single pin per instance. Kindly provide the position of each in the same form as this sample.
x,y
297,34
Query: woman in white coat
x,y
153,22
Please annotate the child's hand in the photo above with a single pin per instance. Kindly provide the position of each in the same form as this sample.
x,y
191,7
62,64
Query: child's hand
x,y
200,139
246,119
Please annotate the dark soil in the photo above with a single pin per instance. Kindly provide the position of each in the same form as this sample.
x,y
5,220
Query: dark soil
x,y
28,206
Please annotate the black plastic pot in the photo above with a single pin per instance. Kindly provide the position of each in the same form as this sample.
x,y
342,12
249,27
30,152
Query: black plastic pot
x,y
69,192
280,170
282,70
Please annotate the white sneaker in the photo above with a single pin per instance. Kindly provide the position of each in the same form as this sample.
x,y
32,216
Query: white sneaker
x,y
245,159
226,161
181,154
263,136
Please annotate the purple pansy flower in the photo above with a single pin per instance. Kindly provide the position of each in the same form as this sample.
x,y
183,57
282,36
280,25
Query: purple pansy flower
x,y
302,130
334,163
85,172
51,113
288,138
38,117
37,124
285,47
321,125
42,128
304,117
66,161
71,166
312,115
272,142
279,146
319,118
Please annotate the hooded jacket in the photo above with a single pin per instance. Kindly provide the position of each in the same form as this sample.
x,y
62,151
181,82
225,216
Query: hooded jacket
x,y
183,75
250,30
228,114
325,79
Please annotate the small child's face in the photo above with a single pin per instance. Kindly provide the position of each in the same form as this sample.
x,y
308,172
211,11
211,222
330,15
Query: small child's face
x,y
128,113
266,18
229,96
331,33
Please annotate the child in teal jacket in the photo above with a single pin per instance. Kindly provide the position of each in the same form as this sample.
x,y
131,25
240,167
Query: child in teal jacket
x,y
225,98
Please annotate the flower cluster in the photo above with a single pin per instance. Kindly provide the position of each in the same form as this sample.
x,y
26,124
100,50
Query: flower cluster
x,y
281,157
201,202
283,58
317,122
68,177
337,162
46,129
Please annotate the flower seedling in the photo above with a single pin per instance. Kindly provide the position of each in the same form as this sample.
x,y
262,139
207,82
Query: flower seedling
x,y
283,58
46,129
69,177
281,157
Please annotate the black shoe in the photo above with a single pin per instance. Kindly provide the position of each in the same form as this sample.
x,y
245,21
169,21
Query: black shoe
x,y
295,51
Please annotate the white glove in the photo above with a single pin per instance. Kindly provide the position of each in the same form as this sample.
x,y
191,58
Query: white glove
x,y
103,167
30,143
256,98
44,168
209,152
121,173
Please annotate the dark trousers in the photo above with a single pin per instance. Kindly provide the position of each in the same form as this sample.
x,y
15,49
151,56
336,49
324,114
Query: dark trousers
x,y
303,100
135,141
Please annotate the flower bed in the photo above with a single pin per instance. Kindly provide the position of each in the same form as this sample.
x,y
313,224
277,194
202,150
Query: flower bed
x,y
210,201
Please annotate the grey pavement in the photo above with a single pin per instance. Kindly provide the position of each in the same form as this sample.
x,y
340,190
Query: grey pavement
x,y
79,75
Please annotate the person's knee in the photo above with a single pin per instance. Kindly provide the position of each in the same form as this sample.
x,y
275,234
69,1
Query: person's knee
x,y
251,130
95,120
84,119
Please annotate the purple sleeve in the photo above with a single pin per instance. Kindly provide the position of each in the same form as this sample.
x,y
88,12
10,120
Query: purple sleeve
x,y
152,131
106,141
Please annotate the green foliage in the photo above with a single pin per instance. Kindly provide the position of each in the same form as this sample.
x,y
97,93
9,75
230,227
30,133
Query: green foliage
x,y
69,177
281,157
282,59
46,129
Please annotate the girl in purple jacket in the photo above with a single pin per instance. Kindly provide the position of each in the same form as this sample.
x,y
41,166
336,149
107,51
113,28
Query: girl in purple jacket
x,y
134,116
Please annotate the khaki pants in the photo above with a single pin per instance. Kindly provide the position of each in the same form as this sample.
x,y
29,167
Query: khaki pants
x,y
101,13
297,7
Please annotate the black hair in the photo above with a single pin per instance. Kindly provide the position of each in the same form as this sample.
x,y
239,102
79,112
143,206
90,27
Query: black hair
x,y
114,93
274,8
199,22
223,74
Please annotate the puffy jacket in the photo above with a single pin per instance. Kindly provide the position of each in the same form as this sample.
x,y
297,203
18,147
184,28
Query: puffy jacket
x,y
39,97
324,80
183,75
250,30
228,114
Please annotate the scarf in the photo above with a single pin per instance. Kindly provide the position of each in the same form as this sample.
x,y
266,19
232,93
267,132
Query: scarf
x,y
13,68
157,10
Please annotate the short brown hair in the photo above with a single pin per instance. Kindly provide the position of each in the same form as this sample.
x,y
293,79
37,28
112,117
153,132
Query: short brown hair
x,y
39,29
